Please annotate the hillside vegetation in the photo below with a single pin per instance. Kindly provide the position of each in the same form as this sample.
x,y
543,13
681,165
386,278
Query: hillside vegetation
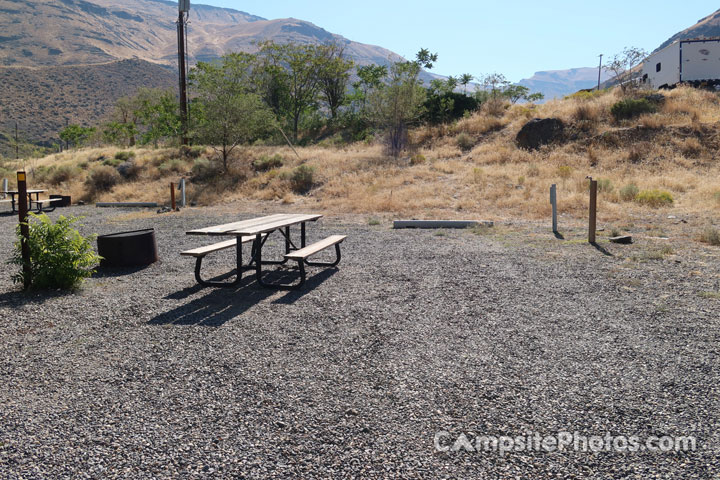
x,y
663,162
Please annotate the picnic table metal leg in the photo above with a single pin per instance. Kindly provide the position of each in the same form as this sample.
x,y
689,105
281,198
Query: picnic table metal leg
x,y
302,235
257,245
209,283
327,264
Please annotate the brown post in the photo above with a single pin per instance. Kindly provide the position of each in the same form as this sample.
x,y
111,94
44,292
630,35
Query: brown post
x,y
172,196
24,228
593,211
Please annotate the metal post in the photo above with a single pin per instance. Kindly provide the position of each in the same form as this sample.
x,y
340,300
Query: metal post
x,y
24,229
599,71
593,210
182,193
553,204
5,187
172,196
183,80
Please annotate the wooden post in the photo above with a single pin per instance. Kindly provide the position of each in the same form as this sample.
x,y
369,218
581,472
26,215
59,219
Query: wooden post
x,y
553,202
24,229
593,211
172,196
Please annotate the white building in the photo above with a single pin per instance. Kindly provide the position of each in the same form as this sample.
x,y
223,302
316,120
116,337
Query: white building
x,y
692,61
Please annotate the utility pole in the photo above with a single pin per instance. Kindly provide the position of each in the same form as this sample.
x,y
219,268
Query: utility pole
x,y
184,9
599,71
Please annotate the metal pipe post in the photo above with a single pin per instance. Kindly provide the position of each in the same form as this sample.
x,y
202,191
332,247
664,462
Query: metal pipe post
x,y
553,202
182,193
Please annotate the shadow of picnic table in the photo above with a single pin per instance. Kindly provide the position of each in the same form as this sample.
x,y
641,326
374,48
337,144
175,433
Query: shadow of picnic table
x,y
221,305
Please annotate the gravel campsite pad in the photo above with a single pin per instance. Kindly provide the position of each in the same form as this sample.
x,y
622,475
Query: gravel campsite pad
x,y
418,336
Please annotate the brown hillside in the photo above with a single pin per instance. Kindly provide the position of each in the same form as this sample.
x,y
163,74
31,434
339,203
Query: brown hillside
x,y
41,99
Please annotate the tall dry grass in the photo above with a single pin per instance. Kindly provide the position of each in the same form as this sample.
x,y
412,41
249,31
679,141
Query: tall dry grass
x,y
674,151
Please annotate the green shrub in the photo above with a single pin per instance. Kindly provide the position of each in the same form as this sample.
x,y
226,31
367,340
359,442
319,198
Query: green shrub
x,y
102,179
174,165
417,159
124,156
301,179
128,170
112,162
564,172
265,163
629,108
710,235
605,185
716,196
654,198
464,141
192,152
203,170
629,192
63,174
60,257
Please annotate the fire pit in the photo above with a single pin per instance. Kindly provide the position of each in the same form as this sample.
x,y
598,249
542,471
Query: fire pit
x,y
128,249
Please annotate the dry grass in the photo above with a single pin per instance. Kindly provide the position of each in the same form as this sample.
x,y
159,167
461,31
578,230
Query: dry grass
x,y
494,179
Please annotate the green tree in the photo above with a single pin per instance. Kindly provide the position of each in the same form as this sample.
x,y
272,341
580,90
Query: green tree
x,y
622,65
76,135
370,77
514,93
228,112
334,75
294,72
465,80
399,103
158,114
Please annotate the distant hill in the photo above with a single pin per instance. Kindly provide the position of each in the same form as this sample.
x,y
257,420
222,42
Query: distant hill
x,y
705,28
559,83
41,99
72,32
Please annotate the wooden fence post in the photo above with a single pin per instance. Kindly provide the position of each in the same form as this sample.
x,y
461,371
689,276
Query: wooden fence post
x,y
24,229
172,196
593,210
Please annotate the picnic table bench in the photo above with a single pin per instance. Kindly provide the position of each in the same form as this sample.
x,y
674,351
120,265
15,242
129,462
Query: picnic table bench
x,y
40,204
257,231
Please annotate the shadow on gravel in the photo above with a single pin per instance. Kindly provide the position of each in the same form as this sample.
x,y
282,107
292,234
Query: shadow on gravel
x,y
602,249
223,304
107,272
19,297
214,309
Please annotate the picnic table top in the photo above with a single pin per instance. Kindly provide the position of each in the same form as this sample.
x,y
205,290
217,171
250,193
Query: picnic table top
x,y
15,192
258,225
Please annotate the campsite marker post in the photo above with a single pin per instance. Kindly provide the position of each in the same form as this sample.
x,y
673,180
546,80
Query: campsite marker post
x,y
24,229
593,210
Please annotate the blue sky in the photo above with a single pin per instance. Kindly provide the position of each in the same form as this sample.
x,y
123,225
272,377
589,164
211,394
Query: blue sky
x,y
514,38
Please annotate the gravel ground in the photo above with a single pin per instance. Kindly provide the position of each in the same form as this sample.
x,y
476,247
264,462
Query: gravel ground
x,y
142,374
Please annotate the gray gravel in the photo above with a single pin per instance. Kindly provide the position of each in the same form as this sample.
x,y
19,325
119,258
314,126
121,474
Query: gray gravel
x,y
142,374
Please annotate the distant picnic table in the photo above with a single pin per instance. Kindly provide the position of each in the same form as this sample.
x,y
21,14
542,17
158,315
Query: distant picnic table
x,y
257,231
39,204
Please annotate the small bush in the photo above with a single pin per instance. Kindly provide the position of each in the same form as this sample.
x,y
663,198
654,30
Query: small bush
x,y
629,108
301,179
192,152
83,165
174,165
464,141
417,159
716,196
60,257
586,113
203,170
62,174
373,221
711,236
266,162
124,156
102,179
605,185
128,170
533,170
629,192
112,162
564,172
654,198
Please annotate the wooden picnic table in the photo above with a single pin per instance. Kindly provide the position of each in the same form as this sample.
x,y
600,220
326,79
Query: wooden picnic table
x,y
257,231
30,193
